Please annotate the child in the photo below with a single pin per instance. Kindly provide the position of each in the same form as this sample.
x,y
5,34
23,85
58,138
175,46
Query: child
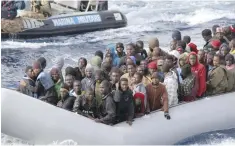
x,y
66,101
139,86
124,101
99,77
89,80
86,104
77,89
139,99
123,69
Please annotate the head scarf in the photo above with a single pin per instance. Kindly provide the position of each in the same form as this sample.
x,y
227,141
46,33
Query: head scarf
x,y
215,43
133,59
42,61
96,61
100,54
89,66
54,70
230,56
197,61
176,35
193,47
59,63
152,65
175,53
65,87
184,57
219,29
70,71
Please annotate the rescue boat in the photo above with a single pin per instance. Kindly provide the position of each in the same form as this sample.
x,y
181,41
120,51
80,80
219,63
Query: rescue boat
x,y
41,123
67,20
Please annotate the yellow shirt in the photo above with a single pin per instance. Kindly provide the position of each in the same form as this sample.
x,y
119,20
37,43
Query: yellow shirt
x,y
232,52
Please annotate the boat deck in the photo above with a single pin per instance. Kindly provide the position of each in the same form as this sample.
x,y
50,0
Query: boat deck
x,y
56,10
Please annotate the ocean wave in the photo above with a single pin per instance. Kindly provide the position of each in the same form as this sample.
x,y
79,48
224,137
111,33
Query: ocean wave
x,y
190,17
202,15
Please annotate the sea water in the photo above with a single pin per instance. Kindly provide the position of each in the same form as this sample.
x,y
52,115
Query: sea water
x,y
146,19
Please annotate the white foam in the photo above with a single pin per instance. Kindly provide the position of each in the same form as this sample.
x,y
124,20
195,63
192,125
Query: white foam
x,y
28,45
203,15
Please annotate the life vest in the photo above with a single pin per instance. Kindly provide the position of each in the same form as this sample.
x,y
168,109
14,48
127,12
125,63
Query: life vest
x,y
46,80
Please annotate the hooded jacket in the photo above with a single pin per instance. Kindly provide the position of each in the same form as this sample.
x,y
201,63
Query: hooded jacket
x,y
200,72
137,57
184,57
96,62
115,56
140,88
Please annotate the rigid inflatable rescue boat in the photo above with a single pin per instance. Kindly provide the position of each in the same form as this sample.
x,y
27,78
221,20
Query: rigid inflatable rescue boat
x,y
68,22
41,123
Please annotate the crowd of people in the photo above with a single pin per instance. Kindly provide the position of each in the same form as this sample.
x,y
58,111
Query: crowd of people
x,y
125,82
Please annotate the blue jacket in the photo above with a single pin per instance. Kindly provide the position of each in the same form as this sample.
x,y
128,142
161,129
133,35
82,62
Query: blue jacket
x,y
116,58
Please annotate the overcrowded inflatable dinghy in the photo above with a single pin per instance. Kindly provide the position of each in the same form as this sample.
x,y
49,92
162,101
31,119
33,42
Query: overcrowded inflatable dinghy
x,y
68,22
41,123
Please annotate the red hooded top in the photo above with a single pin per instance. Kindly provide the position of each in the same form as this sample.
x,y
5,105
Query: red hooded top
x,y
142,97
193,47
200,72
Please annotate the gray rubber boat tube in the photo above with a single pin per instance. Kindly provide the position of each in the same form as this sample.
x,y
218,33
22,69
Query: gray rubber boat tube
x,y
40,123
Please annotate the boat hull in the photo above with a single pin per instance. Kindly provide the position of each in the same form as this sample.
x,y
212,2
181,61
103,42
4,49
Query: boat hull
x,y
40,123
67,24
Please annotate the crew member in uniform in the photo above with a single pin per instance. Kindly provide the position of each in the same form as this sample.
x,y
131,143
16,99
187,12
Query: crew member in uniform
x,y
41,6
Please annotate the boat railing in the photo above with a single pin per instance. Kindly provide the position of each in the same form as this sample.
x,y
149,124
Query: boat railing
x,y
84,9
180,103
89,5
63,5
